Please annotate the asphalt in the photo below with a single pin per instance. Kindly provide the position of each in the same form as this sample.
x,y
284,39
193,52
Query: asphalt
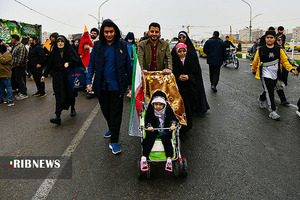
x,y
235,151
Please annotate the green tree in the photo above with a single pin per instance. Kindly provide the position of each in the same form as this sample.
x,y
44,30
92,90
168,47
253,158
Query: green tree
x,y
239,47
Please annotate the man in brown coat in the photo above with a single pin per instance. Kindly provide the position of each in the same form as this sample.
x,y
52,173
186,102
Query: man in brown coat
x,y
154,54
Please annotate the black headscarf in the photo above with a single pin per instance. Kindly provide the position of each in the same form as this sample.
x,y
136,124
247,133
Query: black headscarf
x,y
188,42
69,52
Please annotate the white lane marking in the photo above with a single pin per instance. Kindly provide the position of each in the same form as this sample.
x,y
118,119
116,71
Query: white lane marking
x,y
48,183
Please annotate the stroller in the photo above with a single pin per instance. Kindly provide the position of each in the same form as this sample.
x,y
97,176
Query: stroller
x,y
157,153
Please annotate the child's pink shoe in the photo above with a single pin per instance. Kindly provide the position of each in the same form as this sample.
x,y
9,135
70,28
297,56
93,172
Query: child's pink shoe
x,y
169,167
144,166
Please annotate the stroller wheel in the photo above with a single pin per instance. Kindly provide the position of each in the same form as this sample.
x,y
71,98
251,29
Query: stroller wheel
x,y
176,170
149,171
140,173
184,168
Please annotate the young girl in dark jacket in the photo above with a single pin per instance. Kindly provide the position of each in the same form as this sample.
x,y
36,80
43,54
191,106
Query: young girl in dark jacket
x,y
159,115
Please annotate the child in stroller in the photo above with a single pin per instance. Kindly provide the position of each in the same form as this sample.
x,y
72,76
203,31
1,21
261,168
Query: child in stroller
x,y
158,115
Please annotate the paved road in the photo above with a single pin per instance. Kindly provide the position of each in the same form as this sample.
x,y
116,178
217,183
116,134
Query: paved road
x,y
234,152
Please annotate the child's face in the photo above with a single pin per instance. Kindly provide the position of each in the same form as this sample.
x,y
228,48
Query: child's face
x,y
158,106
182,53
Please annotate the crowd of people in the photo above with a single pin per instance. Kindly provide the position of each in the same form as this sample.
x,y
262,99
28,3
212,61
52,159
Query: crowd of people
x,y
109,73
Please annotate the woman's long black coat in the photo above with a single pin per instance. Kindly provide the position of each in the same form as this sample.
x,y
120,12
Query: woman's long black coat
x,y
61,87
201,105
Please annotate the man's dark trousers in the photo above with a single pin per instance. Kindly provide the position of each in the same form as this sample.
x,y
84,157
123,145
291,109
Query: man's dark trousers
x,y
19,75
37,74
111,103
214,74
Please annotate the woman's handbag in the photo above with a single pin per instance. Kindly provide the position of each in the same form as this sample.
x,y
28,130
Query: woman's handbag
x,y
77,79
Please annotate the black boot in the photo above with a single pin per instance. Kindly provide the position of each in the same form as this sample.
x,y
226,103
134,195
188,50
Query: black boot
x,y
73,113
55,120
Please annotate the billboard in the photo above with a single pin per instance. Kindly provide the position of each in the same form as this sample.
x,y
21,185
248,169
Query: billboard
x,y
8,28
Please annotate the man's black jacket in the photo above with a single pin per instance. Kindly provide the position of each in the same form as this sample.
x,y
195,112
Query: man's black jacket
x,y
36,55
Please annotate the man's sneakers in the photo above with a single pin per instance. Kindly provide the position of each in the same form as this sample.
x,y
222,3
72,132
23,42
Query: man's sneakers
x,y
285,103
73,113
274,115
42,95
262,104
55,120
36,94
107,134
214,89
115,148
21,97
39,95
10,103
298,113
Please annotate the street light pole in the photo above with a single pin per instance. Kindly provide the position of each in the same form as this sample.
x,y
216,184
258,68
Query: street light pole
x,y
99,13
250,27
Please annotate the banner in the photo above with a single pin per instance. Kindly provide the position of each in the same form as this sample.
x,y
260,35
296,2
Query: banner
x,y
8,28
30,30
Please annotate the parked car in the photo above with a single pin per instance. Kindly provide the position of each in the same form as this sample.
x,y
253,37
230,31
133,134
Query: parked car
x,y
202,54
287,46
172,45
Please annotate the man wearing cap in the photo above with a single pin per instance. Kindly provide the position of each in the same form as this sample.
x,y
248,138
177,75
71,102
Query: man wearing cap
x,y
154,54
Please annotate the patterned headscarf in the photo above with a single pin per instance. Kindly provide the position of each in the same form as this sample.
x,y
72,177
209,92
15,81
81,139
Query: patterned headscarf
x,y
179,46
160,114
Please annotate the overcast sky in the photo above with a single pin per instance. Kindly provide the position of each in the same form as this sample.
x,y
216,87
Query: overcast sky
x,y
135,15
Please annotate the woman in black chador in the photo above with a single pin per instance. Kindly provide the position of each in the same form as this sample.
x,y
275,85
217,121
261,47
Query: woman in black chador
x,y
61,58
200,105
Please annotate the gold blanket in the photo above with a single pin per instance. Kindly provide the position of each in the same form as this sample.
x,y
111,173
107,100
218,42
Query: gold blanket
x,y
156,80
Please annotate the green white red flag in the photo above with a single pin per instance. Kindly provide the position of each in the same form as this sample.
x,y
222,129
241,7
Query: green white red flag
x,y
137,97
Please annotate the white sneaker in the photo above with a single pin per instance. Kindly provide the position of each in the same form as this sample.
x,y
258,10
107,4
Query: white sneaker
x,y
262,104
274,115
298,113
21,97
17,95
10,103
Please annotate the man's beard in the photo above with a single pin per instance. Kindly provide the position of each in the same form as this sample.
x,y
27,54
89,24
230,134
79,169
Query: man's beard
x,y
93,37
154,39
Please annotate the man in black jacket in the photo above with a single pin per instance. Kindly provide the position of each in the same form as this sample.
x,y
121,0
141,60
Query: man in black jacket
x,y
110,64
36,61
215,50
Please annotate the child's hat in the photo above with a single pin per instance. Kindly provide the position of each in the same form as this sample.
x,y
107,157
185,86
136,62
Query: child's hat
x,y
180,46
159,99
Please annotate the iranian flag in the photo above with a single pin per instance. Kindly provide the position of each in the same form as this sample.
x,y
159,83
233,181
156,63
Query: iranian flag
x,y
137,96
